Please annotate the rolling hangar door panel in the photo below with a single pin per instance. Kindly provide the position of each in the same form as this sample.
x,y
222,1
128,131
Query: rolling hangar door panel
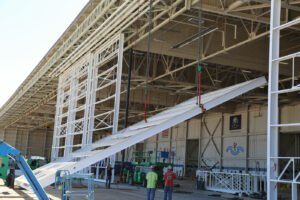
x,y
192,152
137,133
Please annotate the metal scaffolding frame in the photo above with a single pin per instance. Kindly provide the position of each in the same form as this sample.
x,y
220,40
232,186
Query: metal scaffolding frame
x,y
275,174
83,88
73,87
232,182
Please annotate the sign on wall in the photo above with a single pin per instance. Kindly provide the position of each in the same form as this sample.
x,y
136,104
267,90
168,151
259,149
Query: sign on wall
x,y
235,122
235,149
165,133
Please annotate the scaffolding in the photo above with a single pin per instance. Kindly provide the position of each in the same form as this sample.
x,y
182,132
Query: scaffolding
x,y
276,174
83,90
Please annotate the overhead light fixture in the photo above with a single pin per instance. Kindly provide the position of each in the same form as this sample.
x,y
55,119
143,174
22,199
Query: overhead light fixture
x,y
246,71
195,37
283,63
194,21
138,52
216,80
158,40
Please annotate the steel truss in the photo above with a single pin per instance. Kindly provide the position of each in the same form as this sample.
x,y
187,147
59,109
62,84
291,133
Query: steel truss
x,y
97,23
82,91
275,174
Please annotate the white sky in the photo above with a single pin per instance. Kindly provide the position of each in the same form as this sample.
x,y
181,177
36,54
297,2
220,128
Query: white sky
x,y
28,28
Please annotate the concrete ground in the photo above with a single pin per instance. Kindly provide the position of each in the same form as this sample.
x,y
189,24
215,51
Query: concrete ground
x,y
186,191
134,193
126,192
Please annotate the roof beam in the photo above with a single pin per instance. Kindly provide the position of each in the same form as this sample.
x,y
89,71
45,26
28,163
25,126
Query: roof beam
x,y
252,7
235,5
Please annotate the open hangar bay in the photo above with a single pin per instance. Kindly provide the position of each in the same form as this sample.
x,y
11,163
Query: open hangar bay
x,y
133,67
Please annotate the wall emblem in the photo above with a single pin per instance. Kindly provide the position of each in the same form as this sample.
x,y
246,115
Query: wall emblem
x,y
235,122
235,149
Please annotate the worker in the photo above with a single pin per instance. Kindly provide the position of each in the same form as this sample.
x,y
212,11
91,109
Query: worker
x,y
10,178
169,176
151,183
109,170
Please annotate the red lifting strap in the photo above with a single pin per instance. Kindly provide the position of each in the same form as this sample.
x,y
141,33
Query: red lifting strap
x,y
199,82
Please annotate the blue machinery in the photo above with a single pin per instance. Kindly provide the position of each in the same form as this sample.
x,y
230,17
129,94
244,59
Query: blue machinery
x,y
6,149
64,180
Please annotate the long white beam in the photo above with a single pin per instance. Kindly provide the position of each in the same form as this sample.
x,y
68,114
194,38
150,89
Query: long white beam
x,y
141,131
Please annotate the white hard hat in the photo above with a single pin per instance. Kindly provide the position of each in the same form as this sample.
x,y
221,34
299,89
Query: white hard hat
x,y
169,167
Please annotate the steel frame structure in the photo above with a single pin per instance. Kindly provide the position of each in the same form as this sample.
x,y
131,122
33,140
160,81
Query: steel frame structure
x,y
83,88
274,174
100,20
73,86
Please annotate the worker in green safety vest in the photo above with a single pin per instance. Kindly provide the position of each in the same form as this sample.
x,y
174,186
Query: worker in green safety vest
x,y
151,183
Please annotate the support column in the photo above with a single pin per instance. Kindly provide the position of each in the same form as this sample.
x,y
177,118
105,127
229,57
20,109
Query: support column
x,y
272,139
222,141
186,141
71,115
247,140
127,99
117,98
170,145
200,139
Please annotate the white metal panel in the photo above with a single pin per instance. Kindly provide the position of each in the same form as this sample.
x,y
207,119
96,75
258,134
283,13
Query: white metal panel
x,y
141,131
258,121
194,129
289,115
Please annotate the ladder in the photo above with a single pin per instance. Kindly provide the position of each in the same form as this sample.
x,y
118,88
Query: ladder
x,y
275,176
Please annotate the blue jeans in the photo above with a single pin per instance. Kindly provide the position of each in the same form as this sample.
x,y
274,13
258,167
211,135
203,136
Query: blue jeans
x,y
108,180
168,190
150,193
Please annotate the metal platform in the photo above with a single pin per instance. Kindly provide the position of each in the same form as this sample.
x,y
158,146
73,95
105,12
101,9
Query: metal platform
x,y
138,132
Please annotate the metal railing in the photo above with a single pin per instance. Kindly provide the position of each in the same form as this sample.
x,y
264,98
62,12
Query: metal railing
x,y
232,182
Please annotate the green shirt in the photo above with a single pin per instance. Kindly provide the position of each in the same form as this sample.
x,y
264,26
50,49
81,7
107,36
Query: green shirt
x,y
151,179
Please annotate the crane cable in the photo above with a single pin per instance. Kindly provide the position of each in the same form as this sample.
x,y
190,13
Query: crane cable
x,y
199,71
148,59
